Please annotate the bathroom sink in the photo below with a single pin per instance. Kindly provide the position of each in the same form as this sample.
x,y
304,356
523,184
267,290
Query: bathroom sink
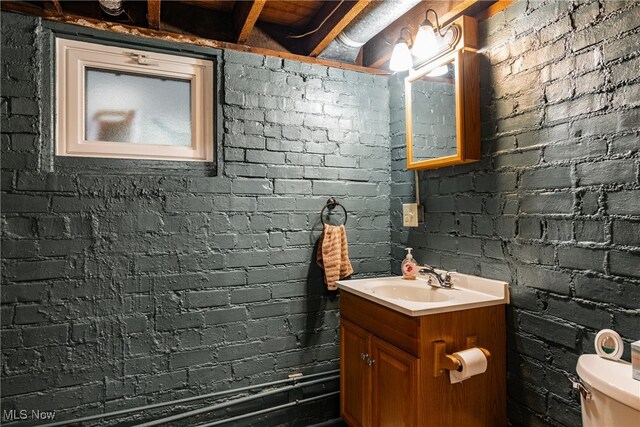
x,y
406,292
417,298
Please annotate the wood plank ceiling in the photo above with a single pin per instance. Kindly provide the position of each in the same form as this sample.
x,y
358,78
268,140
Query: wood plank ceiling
x,y
281,28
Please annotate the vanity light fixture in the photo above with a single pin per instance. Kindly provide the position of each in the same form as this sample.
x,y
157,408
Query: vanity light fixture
x,y
401,57
431,42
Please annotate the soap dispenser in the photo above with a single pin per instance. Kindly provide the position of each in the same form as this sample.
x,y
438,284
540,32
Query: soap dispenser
x,y
409,266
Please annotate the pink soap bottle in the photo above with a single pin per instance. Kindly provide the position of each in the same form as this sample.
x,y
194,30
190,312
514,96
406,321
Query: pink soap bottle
x,y
409,266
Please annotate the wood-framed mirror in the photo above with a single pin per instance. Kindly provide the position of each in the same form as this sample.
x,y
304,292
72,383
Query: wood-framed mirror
x,y
443,107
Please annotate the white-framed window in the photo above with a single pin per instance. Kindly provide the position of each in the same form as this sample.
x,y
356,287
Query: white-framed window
x,y
128,103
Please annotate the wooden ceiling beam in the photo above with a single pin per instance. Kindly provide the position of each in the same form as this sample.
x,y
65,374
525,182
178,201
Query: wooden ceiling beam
x,y
330,20
468,7
377,51
53,6
245,16
153,14
495,8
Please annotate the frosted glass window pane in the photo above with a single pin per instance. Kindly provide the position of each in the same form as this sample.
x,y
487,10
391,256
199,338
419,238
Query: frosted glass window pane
x,y
140,109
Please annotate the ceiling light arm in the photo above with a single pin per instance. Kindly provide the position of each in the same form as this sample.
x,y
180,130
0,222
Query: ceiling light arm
x,y
437,28
410,35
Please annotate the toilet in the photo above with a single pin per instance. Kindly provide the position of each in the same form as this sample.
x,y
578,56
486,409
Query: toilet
x,y
612,396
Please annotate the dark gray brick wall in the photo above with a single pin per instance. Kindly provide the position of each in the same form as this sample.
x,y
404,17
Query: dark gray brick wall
x,y
123,288
553,207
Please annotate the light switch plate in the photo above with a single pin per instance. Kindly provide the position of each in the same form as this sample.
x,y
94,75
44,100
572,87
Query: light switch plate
x,y
410,214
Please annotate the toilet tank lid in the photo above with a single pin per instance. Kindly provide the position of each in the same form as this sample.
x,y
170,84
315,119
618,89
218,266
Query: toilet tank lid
x,y
610,377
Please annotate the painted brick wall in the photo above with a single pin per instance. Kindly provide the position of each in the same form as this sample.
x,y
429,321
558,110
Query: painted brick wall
x,y
553,207
122,288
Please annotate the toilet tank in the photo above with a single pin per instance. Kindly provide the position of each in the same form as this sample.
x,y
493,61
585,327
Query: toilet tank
x,y
615,395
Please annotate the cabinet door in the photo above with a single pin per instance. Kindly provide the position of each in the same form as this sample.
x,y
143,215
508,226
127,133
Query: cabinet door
x,y
395,385
355,378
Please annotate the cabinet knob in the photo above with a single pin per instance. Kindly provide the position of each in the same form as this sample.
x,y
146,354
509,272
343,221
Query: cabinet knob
x,y
363,356
370,362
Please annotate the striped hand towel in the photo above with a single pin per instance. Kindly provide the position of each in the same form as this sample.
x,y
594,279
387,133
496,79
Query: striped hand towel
x,y
333,255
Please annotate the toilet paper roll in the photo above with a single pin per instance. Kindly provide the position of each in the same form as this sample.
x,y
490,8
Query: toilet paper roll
x,y
473,362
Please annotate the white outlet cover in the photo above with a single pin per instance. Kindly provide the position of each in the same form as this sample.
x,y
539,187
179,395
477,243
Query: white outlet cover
x,y
410,215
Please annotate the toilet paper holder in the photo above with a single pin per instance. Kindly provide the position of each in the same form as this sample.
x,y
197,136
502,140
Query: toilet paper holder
x,y
444,361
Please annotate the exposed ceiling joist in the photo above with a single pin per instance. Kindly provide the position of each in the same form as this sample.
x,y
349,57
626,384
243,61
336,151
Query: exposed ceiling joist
x,y
53,6
330,20
245,16
296,27
495,8
137,31
153,14
377,51
468,7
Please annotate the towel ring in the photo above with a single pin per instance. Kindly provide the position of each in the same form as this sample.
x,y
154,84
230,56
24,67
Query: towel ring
x,y
331,204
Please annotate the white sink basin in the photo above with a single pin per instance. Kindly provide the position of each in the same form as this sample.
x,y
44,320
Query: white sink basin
x,y
408,292
417,298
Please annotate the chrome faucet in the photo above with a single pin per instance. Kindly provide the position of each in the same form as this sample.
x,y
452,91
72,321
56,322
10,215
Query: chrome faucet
x,y
445,282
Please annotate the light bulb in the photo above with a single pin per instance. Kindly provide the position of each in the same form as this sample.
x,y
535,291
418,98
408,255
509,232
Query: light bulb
x,y
426,44
439,71
401,57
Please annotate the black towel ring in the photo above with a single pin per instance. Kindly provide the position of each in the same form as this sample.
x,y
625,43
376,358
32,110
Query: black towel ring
x,y
331,204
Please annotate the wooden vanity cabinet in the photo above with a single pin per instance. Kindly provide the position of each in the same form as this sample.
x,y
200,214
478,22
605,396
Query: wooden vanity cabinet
x,y
394,385
354,353
387,367
382,386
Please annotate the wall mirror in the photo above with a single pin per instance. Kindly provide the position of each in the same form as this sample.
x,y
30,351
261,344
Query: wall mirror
x,y
443,109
